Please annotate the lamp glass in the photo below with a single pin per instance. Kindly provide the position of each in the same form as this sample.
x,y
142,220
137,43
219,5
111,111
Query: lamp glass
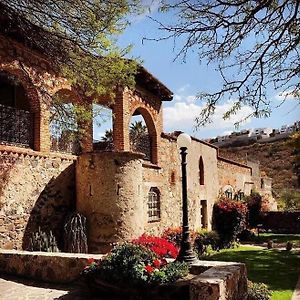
x,y
184,140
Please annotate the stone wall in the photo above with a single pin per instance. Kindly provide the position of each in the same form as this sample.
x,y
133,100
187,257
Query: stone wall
x,y
35,190
209,280
44,266
112,192
109,194
235,175
168,179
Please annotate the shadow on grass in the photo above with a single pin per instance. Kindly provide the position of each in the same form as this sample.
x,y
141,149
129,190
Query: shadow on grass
x,y
278,238
278,269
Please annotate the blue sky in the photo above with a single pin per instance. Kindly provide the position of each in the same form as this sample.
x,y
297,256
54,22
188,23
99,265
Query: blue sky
x,y
186,79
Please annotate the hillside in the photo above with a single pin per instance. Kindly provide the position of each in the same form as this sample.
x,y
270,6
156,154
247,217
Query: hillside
x,y
276,161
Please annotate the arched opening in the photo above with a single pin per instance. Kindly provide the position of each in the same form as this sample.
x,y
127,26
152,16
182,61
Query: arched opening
x,y
102,128
201,171
16,119
64,129
153,202
142,134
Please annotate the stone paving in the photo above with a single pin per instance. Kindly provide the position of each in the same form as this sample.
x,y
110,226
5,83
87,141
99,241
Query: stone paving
x,y
13,288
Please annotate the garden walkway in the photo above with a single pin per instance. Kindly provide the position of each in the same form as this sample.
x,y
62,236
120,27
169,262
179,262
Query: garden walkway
x,y
13,288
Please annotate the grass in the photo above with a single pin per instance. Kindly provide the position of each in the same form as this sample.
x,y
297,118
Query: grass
x,y
278,269
278,238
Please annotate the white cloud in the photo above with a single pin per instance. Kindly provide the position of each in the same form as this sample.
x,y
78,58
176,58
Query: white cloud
x,y
183,88
182,116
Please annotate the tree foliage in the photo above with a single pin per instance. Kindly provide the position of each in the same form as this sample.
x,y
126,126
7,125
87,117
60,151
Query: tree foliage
x,y
253,44
78,37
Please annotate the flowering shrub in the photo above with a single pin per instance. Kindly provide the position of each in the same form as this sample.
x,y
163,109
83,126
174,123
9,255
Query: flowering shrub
x,y
160,246
229,220
174,235
132,265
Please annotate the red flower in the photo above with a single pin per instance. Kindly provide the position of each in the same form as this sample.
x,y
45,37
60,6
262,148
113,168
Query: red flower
x,y
160,246
149,269
156,263
90,261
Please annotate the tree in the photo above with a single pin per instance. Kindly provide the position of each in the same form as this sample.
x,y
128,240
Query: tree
x,y
257,41
108,136
137,128
78,37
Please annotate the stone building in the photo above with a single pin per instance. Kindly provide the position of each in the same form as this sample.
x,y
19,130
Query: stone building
x,y
122,193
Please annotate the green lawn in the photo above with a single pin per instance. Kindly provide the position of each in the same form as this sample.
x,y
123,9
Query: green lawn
x,y
278,238
278,269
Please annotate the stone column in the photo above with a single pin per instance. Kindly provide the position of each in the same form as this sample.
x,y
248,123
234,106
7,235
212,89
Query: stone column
x,y
110,195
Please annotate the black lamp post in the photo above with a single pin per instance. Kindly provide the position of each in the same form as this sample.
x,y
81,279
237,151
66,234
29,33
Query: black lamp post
x,y
186,253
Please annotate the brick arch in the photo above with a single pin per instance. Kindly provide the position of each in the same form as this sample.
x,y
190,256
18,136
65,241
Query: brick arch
x,y
152,130
31,92
68,94
35,105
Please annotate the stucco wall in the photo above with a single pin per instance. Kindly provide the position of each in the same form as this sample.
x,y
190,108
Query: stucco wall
x,y
35,190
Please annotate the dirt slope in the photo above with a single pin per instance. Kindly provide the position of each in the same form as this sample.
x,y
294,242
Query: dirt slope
x,y
276,161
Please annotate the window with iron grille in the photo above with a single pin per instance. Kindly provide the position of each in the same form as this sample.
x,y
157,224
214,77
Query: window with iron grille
x,y
153,205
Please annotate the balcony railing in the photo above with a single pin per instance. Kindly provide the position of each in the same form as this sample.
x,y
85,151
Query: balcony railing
x,y
16,126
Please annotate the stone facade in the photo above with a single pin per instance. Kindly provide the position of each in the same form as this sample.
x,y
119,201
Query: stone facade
x,y
36,191
234,176
121,194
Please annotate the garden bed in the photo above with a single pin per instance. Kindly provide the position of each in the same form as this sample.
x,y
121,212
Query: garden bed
x,y
208,280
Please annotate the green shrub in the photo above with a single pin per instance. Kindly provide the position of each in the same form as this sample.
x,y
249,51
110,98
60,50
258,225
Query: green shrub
x,y
247,235
258,291
229,220
254,204
132,265
205,239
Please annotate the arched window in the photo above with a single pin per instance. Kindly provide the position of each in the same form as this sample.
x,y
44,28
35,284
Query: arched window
x,y
153,205
64,123
201,171
16,121
143,134
139,138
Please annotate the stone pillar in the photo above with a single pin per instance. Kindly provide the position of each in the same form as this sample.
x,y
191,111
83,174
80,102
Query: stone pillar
x,y
110,195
